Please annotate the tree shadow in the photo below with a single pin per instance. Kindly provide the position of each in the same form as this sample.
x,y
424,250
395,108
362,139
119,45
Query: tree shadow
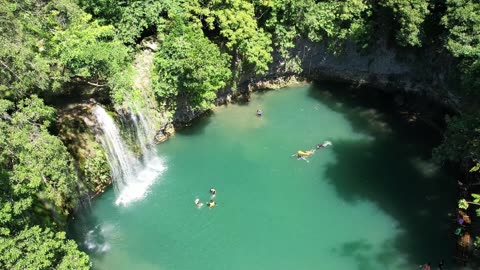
x,y
386,175
391,167
90,238
196,126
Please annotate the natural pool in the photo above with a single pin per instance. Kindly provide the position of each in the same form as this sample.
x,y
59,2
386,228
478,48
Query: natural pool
x,y
371,201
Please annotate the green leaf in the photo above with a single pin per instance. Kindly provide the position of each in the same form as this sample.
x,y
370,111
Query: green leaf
x,y
463,204
475,168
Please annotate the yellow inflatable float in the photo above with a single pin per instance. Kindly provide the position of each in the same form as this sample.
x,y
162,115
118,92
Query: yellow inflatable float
x,y
306,153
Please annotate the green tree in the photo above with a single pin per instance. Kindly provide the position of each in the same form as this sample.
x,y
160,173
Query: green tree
x,y
37,249
461,140
191,67
36,171
48,44
462,20
331,22
22,68
410,16
84,48
236,22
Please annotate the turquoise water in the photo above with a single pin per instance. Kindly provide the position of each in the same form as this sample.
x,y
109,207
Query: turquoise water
x,y
371,201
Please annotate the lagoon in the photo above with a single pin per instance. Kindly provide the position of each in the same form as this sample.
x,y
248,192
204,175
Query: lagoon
x,y
373,200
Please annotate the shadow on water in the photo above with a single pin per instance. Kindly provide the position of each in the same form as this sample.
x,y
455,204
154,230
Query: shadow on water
x,y
92,236
393,170
197,126
245,100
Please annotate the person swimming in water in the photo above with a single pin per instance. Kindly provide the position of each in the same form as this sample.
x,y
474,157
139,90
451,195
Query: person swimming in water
x,y
259,112
211,203
324,144
213,191
198,203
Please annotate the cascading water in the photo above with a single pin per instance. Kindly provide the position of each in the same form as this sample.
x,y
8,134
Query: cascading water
x,y
131,176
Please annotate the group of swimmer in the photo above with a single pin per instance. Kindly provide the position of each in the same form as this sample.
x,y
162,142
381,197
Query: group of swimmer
x,y
211,203
305,154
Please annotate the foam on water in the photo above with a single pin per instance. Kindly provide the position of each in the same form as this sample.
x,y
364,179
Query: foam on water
x,y
132,175
137,189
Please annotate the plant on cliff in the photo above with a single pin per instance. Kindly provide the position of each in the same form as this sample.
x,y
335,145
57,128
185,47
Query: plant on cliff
x,y
330,21
409,15
133,19
461,140
462,20
96,171
84,48
237,25
190,67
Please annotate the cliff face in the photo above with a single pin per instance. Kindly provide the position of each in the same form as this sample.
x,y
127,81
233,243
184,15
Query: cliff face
x,y
423,75
425,72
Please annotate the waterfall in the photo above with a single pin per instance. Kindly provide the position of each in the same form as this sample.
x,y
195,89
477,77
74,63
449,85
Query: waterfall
x,y
132,176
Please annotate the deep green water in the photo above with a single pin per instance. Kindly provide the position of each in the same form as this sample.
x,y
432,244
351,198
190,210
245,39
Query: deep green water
x,y
371,201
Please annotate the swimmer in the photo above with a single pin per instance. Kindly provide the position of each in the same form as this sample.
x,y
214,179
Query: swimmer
x,y
211,203
259,112
324,144
213,191
198,203
300,156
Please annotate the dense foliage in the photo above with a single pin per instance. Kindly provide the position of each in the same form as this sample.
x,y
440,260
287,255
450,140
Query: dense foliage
x,y
36,248
191,66
38,184
462,139
49,48
45,45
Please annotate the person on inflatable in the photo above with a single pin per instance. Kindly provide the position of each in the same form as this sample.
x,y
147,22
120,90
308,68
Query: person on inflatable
x,y
304,154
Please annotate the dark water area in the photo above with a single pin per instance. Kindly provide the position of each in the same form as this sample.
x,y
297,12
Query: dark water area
x,y
372,200
402,186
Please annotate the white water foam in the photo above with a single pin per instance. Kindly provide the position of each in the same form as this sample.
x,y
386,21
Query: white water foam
x,y
137,190
97,240
132,176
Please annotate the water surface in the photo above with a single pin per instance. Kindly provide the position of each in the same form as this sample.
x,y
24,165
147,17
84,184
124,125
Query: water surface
x,y
371,201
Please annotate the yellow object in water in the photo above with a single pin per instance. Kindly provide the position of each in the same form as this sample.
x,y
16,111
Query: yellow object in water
x,y
307,153
211,204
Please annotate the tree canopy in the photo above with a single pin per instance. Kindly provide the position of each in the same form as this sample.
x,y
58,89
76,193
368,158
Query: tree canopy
x,y
41,249
46,45
38,184
190,65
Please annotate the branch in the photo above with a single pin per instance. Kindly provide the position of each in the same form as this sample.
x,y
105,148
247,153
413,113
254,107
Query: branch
x,y
8,68
44,179
96,84
474,203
